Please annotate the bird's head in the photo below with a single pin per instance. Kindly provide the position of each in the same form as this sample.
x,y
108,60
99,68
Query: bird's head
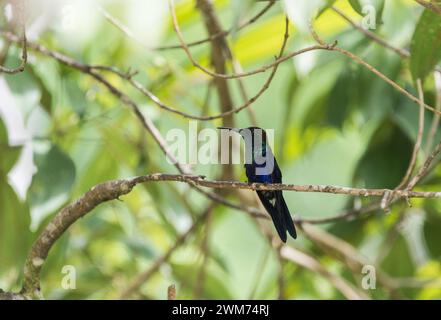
x,y
249,134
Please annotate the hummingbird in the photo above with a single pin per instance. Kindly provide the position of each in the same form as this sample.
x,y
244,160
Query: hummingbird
x,y
261,167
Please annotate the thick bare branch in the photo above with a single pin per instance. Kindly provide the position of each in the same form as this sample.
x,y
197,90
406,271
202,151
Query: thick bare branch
x,y
112,190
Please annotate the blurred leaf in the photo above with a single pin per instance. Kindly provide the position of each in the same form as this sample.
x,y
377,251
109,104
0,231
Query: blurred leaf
x,y
387,158
406,116
239,9
261,41
426,45
399,262
15,235
302,12
432,227
8,155
77,97
139,246
99,169
329,4
46,99
293,84
339,103
431,270
214,287
237,241
308,98
336,122
355,4
52,184
323,164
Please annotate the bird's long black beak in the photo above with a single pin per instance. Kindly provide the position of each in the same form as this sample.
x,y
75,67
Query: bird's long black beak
x,y
229,129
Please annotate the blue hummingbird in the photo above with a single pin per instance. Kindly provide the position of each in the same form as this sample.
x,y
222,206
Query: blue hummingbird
x,y
261,167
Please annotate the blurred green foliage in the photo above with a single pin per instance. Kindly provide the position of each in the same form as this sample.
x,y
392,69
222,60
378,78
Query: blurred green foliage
x,y
336,123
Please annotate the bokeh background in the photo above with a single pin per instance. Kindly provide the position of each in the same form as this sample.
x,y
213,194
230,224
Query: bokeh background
x,y
335,123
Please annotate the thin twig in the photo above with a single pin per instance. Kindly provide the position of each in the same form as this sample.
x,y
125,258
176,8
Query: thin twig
x,y
237,67
207,99
436,118
232,109
24,54
223,33
120,26
385,78
430,5
146,122
350,256
259,273
231,76
402,52
425,168
389,239
24,60
419,139
320,46
372,69
144,276
373,36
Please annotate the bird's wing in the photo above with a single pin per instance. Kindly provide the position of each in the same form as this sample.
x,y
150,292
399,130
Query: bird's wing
x,y
277,174
269,201
281,204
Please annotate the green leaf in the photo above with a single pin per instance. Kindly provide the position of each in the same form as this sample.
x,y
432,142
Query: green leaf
x,y
9,155
386,161
399,262
329,4
239,9
139,246
355,4
3,132
313,169
47,75
426,45
432,226
15,235
46,99
52,184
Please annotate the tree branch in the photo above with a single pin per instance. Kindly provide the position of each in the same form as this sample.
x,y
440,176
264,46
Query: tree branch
x,y
112,190
312,264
